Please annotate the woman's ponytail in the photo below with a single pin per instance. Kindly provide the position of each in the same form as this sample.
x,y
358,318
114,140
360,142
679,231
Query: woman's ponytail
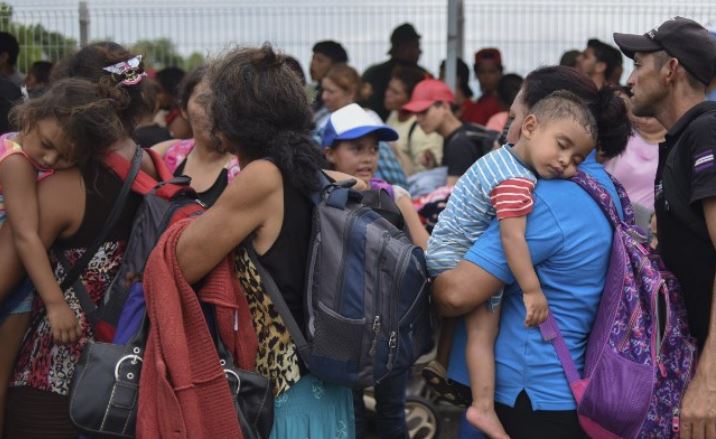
x,y
612,120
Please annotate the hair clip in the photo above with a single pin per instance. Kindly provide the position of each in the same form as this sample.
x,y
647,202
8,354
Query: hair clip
x,y
128,71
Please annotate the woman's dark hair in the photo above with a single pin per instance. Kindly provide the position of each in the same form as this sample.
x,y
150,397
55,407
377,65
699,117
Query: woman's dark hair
x,y
170,79
150,93
41,71
463,77
86,112
261,108
297,69
608,108
88,63
189,83
508,87
410,76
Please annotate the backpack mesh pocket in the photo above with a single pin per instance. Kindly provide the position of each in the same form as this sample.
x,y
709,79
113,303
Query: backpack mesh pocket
x,y
337,337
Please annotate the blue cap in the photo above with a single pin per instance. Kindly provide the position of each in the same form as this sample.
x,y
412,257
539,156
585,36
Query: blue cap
x,y
352,122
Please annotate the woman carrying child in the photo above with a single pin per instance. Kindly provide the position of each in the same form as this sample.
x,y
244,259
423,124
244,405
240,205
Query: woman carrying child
x,y
80,120
561,237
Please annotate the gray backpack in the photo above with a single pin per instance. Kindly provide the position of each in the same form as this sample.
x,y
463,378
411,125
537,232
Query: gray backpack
x,y
367,293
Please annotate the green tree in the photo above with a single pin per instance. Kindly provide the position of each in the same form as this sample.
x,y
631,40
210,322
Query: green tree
x,y
40,44
36,42
159,53
194,60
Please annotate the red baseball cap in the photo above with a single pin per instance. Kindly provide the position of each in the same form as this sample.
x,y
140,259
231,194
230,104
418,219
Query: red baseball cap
x,y
426,93
488,53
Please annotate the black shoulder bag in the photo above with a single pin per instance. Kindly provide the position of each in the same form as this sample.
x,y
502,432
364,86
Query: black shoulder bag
x,y
104,388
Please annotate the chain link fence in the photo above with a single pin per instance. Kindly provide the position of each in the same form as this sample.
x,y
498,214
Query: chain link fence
x,y
529,33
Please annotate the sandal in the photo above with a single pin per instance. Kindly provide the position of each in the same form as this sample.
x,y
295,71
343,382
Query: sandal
x,y
447,390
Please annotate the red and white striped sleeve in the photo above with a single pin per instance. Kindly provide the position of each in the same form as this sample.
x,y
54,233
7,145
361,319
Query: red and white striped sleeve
x,y
513,198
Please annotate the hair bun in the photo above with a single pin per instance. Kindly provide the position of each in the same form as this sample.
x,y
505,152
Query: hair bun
x,y
612,121
108,88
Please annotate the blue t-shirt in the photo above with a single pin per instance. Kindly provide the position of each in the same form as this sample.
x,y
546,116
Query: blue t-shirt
x,y
570,242
469,211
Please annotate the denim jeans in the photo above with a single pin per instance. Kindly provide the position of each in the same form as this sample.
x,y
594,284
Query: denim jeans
x,y
390,408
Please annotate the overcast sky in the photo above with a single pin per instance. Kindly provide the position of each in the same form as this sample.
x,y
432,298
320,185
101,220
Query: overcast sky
x,y
529,33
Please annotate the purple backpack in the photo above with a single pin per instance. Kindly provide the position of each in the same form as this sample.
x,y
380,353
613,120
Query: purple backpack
x,y
634,377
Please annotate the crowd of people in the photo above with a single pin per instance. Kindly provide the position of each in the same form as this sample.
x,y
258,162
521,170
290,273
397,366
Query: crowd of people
x,y
481,185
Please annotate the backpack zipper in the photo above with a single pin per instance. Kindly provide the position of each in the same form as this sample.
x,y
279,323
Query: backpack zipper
x,y
675,420
392,345
398,274
377,296
393,340
375,329
633,318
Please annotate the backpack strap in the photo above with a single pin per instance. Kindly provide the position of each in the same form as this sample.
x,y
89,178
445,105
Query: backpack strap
x,y
280,305
604,200
337,193
550,332
72,277
627,208
413,126
145,183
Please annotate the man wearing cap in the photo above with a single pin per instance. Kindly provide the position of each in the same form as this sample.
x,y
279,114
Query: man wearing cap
x,y
325,55
599,61
463,144
404,50
488,71
673,63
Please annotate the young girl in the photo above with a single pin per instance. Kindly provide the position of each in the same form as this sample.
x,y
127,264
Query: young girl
x,y
203,158
342,86
67,126
350,142
354,151
556,136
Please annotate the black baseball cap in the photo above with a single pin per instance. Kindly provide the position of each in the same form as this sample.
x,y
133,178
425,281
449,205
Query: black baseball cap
x,y
680,37
331,49
403,34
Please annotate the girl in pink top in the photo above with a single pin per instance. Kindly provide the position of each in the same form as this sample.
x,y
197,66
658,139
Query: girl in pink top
x,y
204,157
635,168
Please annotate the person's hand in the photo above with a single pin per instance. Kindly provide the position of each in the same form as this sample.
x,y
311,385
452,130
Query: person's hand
x,y
536,307
698,408
63,322
427,159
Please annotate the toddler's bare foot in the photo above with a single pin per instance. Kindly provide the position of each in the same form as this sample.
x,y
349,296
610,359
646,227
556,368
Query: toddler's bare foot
x,y
486,421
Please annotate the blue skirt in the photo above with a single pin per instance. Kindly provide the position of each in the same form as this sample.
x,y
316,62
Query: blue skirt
x,y
312,409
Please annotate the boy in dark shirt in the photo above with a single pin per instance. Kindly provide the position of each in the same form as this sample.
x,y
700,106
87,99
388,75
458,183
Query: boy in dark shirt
x,y
463,143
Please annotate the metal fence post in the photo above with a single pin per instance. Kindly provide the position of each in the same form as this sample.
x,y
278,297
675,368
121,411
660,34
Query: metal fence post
x,y
84,24
454,41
